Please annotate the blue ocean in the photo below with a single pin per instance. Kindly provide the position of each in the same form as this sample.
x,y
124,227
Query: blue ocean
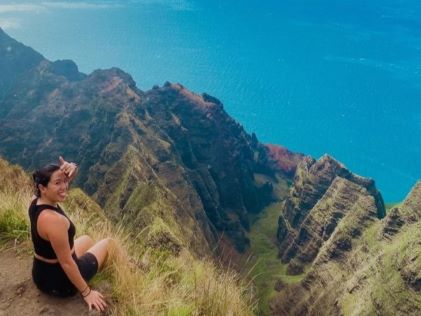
x,y
317,76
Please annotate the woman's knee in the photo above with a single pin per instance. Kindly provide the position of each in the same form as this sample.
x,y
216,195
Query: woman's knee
x,y
101,250
86,238
82,244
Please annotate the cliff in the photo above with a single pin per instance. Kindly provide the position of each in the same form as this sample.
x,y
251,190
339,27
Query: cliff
x,y
324,193
354,258
164,153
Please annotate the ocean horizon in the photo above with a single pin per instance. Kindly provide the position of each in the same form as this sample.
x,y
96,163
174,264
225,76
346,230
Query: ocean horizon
x,y
314,76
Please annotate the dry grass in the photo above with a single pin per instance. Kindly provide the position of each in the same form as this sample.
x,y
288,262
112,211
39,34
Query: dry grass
x,y
143,280
15,192
154,281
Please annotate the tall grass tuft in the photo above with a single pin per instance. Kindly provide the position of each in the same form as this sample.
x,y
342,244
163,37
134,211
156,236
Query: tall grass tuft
x,y
15,192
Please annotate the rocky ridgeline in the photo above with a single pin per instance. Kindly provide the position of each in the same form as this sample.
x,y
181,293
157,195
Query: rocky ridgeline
x,y
164,158
407,213
323,193
357,259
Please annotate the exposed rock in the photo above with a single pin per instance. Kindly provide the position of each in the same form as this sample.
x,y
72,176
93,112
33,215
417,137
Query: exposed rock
x,y
286,161
411,270
282,229
412,205
68,69
408,212
279,285
295,268
355,272
323,193
392,223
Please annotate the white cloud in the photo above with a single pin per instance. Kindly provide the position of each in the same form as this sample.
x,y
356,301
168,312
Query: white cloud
x,y
45,6
9,23
177,5
80,5
24,7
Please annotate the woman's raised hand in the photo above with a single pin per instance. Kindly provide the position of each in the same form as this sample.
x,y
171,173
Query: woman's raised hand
x,y
95,300
69,168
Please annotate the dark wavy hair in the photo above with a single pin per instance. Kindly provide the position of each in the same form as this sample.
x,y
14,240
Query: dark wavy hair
x,y
43,176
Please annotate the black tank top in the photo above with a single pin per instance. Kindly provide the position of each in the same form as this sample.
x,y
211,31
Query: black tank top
x,y
43,247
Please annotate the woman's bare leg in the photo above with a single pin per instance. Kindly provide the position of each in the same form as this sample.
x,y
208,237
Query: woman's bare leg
x,y
100,250
82,244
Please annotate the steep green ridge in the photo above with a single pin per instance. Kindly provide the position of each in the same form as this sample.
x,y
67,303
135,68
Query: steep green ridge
x,y
323,194
376,272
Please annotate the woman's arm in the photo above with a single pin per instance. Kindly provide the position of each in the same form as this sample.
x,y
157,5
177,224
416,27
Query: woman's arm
x,y
57,235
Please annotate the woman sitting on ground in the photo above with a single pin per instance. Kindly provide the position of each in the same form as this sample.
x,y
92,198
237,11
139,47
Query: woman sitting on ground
x,y
62,266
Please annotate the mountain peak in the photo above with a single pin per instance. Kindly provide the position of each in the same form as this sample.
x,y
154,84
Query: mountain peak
x,y
68,69
112,74
204,101
15,60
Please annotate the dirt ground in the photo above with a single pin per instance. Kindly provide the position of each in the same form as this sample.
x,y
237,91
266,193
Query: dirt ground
x,y
19,295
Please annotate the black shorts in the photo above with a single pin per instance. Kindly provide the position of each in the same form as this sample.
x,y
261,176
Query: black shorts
x,y
51,279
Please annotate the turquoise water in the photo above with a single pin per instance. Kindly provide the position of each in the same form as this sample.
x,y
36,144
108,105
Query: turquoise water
x,y
317,76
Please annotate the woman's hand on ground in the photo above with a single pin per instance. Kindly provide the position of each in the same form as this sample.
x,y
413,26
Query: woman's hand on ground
x,y
96,300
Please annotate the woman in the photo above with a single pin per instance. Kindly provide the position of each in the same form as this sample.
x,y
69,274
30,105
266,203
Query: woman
x,y
62,266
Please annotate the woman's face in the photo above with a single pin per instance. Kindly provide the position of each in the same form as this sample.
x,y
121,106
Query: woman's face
x,y
56,189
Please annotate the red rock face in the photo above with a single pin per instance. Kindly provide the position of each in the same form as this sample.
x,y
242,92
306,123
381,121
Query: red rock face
x,y
285,161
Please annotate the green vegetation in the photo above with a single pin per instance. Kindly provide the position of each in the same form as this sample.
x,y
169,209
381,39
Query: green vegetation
x,y
266,267
380,287
14,189
12,227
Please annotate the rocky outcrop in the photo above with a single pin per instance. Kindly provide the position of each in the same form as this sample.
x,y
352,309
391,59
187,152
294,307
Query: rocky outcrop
x,y
166,153
285,160
410,269
343,201
363,268
406,213
323,193
411,207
